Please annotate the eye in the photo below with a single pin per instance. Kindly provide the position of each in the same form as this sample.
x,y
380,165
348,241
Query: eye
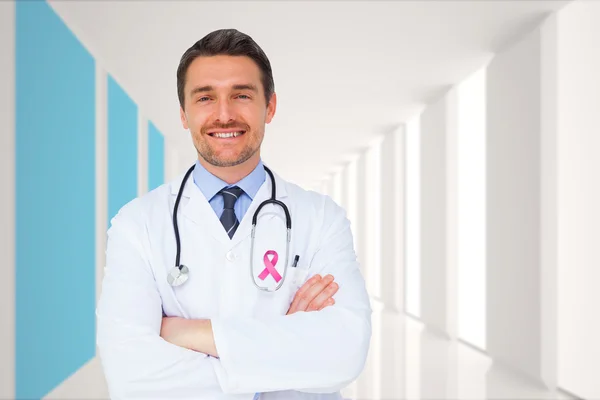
x,y
202,99
244,96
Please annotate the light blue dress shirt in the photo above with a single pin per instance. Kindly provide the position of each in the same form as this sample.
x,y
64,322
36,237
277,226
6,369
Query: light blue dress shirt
x,y
210,186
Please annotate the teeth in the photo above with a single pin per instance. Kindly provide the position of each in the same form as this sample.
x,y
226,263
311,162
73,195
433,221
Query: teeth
x,y
227,134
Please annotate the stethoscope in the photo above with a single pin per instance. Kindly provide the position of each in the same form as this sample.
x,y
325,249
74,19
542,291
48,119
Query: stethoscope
x,y
180,273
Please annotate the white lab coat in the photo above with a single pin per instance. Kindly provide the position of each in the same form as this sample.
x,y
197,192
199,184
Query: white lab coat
x,y
306,355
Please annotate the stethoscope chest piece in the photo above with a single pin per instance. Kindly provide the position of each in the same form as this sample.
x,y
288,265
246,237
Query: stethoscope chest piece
x,y
178,275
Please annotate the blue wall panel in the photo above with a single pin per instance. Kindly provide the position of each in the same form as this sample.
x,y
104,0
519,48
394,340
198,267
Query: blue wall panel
x,y
55,201
122,148
156,157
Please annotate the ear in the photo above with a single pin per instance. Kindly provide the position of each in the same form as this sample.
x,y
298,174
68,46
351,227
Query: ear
x,y
271,108
183,118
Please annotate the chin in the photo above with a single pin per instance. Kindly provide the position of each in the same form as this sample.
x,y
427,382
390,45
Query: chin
x,y
226,161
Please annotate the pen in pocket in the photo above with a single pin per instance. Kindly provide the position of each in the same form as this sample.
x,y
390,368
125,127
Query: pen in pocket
x,y
295,264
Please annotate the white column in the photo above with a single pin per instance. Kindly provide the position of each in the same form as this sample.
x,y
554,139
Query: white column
x,y
412,285
348,202
344,187
355,178
471,210
392,221
351,191
172,162
180,155
521,228
549,202
361,218
328,186
373,213
337,191
101,175
391,324
438,215
142,153
579,198
7,202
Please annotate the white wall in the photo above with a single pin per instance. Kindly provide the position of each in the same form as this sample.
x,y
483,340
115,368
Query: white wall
x,y
520,323
176,160
361,213
392,221
412,286
398,166
337,190
350,181
7,201
579,198
373,212
327,186
438,214
471,209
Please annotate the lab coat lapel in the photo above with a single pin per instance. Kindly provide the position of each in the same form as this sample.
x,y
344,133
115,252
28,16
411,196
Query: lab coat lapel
x,y
198,210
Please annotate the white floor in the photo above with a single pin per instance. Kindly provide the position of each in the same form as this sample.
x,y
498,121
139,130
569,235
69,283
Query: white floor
x,y
405,361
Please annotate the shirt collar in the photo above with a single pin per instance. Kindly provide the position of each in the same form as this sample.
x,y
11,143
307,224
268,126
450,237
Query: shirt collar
x,y
210,185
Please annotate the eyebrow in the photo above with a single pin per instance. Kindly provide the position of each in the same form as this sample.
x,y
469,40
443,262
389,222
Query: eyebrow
x,y
245,87
201,89
208,88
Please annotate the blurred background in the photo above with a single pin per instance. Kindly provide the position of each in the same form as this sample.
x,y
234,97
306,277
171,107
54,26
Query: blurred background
x,y
461,137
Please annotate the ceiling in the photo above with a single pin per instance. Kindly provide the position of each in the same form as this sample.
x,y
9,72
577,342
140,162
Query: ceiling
x,y
345,71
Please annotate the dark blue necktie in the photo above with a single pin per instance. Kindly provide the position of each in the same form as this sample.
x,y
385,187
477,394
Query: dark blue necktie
x,y
228,218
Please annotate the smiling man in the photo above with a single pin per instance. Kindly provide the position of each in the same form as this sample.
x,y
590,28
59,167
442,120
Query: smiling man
x,y
200,328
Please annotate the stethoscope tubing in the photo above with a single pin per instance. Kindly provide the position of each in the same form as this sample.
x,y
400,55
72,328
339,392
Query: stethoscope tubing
x,y
273,200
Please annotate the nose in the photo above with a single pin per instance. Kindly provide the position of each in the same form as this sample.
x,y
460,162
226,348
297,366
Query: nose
x,y
225,111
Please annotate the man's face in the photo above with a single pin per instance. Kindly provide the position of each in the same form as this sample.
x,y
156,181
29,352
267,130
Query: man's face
x,y
225,109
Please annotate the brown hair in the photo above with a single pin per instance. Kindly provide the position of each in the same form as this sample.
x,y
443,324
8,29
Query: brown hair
x,y
229,42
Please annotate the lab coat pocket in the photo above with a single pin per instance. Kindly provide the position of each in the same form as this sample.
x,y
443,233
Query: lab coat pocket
x,y
277,302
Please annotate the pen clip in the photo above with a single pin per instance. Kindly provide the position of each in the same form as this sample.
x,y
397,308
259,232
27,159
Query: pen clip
x,y
295,264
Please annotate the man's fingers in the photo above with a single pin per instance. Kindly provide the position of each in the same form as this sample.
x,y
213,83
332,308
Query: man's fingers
x,y
308,296
322,297
328,303
301,291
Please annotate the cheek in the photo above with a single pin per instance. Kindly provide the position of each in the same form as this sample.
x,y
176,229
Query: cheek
x,y
196,122
255,118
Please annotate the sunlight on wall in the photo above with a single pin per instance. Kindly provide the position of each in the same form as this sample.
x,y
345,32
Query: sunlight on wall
x,y
471,210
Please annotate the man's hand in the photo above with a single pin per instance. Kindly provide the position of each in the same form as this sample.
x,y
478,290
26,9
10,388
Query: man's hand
x,y
314,295
192,334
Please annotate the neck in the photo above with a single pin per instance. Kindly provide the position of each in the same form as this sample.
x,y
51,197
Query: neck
x,y
234,174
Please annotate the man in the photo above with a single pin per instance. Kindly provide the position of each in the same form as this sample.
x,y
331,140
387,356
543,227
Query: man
x,y
217,336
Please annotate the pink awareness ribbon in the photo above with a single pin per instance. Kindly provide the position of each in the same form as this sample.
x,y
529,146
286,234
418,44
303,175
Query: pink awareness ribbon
x,y
270,266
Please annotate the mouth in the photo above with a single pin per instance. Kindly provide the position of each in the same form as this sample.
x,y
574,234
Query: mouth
x,y
226,134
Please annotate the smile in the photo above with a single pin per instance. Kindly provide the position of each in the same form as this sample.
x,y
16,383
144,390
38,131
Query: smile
x,y
226,135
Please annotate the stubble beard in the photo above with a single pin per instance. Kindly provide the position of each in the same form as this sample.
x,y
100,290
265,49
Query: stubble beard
x,y
207,153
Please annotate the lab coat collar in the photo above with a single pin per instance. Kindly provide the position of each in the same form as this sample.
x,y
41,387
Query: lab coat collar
x,y
199,211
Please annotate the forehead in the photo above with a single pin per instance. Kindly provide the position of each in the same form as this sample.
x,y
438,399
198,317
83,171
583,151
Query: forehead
x,y
222,71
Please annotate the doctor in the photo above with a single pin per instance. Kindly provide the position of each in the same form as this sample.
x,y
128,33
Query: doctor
x,y
195,304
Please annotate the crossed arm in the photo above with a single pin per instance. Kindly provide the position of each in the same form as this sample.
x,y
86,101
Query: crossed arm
x,y
145,355
196,334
